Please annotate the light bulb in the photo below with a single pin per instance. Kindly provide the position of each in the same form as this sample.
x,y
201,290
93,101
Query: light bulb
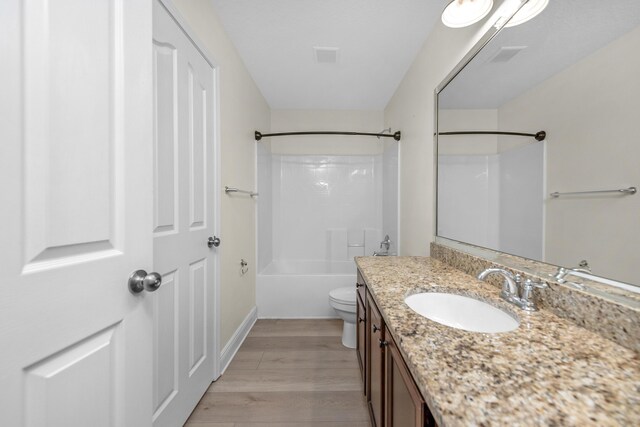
x,y
462,13
529,11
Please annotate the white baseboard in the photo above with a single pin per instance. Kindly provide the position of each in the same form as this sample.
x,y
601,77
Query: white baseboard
x,y
231,348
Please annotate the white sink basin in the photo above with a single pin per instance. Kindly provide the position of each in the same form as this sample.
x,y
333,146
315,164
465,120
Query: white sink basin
x,y
461,312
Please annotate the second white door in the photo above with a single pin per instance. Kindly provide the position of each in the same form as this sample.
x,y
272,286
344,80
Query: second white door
x,y
184,217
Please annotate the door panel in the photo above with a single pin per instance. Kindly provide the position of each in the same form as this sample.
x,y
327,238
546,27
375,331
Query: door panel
x,y
69,149
165,138
197,123
197,319
184,128
48,398
165,348
76,209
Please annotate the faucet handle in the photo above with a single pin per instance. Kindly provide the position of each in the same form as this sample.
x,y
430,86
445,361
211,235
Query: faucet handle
x,y
534,284
561,274
527,288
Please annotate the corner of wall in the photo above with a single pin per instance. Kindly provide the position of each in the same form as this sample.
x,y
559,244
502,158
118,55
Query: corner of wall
x,y
411,110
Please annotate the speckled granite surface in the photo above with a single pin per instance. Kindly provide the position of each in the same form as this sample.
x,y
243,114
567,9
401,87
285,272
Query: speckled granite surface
x,y
547,372
613,313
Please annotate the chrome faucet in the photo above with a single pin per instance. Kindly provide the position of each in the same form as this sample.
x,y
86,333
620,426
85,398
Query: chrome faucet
x,y
386,243
510,284
510,288
563,272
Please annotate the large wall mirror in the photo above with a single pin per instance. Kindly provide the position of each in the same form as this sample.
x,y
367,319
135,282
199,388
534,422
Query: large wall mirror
x,y
573,72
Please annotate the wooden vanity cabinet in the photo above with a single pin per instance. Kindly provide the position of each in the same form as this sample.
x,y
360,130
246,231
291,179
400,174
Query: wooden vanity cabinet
x,y
404,405
361,329
361,334
392,395
375,364
361,287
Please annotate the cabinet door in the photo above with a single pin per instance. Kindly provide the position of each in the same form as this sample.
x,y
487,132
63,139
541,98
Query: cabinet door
x,y
360,287
362,342
404,406
375,364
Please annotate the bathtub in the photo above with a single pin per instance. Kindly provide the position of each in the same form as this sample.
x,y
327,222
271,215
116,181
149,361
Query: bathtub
x,y
300,289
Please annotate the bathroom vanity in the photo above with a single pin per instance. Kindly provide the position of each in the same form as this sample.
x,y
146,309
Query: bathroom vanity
x,y
417,372
392,395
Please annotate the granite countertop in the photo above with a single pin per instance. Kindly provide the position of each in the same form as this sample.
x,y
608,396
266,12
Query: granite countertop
x,y
547,372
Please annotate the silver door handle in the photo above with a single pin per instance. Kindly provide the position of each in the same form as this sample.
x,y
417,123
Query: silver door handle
x,y
140,281
213,241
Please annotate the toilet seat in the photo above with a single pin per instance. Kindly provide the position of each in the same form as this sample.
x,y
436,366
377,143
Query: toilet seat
x,y
343,299
345,295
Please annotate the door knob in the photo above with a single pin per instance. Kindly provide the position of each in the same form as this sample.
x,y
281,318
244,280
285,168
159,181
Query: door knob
x,y
140,281
213,241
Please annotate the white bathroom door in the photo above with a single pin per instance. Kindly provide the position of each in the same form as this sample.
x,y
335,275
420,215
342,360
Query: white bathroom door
x,y
75,212
184,217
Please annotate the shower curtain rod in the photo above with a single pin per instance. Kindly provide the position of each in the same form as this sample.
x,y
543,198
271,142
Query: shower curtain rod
x,y
539,136
395,135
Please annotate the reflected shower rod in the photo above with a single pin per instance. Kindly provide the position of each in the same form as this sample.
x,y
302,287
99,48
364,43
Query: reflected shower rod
x,y
539,136
260,135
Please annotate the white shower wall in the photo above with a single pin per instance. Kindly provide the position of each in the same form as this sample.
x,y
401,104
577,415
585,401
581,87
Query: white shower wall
x,y
468,204
325,207
522,201
323,201
265,205
494,200
390,195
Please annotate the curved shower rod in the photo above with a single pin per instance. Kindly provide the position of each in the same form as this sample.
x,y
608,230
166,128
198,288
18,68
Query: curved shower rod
x,y
260,135
539,136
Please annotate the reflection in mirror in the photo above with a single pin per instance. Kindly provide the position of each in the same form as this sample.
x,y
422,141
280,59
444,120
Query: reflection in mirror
x,y
572,72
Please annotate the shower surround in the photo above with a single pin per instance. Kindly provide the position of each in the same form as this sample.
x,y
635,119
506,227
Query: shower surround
x,y
315,214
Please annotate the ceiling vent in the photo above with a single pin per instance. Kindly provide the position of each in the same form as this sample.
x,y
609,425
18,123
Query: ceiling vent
x,y
326,55
506,53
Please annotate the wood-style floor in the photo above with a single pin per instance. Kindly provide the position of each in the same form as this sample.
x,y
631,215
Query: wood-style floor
x,y
287,373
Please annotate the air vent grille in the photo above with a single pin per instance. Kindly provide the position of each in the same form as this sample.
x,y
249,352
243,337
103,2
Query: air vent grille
x,y
326,55
506,53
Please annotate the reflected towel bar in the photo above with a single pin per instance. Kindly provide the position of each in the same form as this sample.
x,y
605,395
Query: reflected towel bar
x,y
623,191
237,190
260,135
539,136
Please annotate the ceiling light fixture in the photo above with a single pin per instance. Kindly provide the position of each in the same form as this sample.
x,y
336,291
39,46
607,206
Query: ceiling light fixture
x,y
529,11
462,13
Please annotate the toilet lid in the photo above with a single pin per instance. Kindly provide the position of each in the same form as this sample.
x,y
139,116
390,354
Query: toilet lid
x,y
344,295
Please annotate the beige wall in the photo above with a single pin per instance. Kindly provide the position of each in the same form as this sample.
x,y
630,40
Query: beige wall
x,y
590,112
327,120
242,110
411,110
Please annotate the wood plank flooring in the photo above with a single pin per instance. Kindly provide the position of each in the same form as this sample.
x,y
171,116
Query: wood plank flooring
x,y
287,373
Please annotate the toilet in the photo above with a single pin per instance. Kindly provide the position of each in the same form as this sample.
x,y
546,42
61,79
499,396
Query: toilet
x,y
343,301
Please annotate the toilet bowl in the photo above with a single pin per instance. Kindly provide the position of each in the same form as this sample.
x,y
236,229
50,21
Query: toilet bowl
x,y
343,301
